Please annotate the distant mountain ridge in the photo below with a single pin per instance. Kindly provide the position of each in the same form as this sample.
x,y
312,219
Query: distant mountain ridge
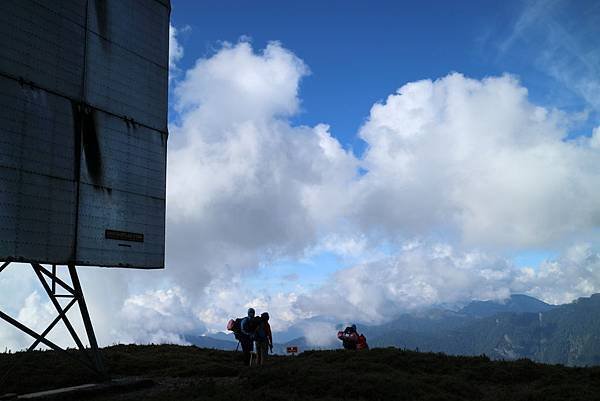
x,y
519,327
517,303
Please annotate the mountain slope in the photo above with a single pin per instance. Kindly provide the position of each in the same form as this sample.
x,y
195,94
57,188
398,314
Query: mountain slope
x,y
567,334
517,303
520,327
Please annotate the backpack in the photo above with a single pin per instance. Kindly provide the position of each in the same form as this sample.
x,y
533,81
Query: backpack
x,y
362,342
235,325
253,324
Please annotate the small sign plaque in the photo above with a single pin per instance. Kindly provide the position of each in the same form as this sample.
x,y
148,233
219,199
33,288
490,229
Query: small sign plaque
x,y
124,236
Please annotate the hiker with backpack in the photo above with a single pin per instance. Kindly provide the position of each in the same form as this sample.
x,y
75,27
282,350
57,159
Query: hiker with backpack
x,y
246,335
263,339
351,339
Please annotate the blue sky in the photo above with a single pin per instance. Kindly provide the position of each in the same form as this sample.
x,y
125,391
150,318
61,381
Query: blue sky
x,y
461,162
361,51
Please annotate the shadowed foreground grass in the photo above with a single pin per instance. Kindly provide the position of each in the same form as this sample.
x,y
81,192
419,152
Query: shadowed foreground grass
x,y
190,373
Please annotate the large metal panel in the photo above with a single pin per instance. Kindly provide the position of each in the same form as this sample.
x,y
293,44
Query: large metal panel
x,y
37,217
131,157
138,26
37,177
122,189
37,131
127,70
101,210
83,108
43,42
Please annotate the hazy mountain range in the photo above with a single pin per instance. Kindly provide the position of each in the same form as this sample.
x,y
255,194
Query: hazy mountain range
x,y
520,327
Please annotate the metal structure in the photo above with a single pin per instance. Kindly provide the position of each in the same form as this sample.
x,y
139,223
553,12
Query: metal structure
x,y
74,293
83,140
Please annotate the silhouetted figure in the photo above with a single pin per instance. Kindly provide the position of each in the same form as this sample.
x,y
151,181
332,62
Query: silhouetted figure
x,y
246,335
263,338
351,339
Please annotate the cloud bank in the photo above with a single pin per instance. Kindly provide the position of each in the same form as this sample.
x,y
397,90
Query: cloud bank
x,y
458,174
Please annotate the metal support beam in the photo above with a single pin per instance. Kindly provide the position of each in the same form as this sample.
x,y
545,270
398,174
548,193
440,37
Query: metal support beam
x,y
58,307
4,265
92,359
87,322
51,326
59,281
54,279
35,335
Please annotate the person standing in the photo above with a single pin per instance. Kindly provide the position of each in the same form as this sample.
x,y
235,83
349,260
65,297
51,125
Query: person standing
x,y
246,336
264,339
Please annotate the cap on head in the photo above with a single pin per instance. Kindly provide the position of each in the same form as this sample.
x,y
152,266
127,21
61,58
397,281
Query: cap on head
x,y
265,316
353,327
251,312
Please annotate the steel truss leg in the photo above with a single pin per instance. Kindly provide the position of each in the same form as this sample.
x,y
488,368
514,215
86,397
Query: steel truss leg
x,y
90,359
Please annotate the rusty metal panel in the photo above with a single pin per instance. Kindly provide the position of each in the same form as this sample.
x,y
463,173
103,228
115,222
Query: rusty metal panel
x,y
127,70
122,189
79,182
128,157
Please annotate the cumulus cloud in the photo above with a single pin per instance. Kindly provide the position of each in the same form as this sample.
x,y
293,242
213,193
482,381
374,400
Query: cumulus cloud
x,y
418,276
244,185
475,159
424,275
574,274
471,168
319,334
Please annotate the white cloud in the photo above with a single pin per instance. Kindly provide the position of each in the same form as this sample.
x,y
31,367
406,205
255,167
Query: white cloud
x,y
244,185
424,275
575,274
417,277
319,334
472,164
475,159
175,48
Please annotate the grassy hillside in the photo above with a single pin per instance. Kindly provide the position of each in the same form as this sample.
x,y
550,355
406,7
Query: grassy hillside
x,y
190,373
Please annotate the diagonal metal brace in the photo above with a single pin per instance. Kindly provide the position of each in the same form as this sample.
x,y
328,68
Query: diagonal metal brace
x,y
59,309
41,339
92,359
55,278
4,265
51,326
